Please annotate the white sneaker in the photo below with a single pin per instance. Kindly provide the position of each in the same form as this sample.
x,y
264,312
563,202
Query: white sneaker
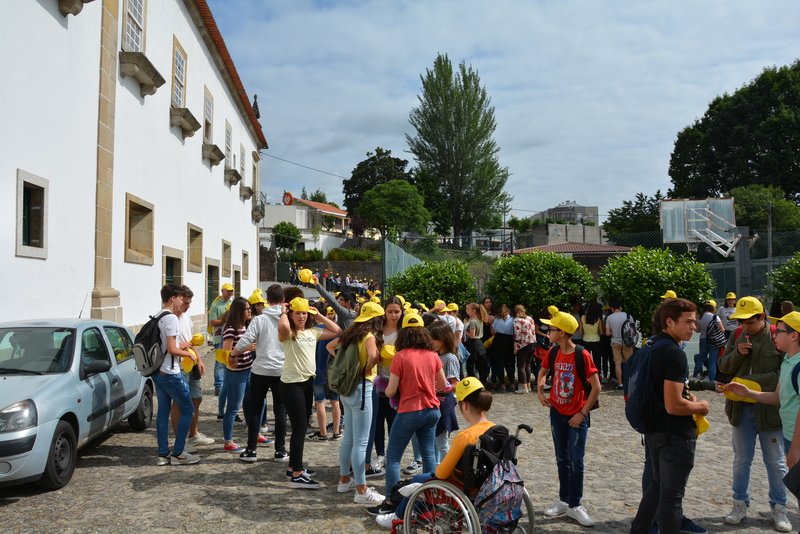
x,y
184,458
408,489
200,439
556,509
345,487
370,497
385,520
739,512
188,447
413,468
379,462
578,513
782,523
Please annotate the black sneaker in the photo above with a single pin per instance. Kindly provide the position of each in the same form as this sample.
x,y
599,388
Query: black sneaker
x,y
310,472
248,456
335,437
220,418
316,436
303,482
281,456
238,420
383,508
374,473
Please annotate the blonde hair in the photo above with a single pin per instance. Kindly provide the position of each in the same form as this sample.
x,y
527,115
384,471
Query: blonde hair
x,y
481,311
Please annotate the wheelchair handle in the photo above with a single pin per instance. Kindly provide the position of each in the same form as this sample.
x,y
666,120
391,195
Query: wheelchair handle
x,y
521,427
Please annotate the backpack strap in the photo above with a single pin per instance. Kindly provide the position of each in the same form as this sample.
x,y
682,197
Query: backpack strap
x,y
580,366
158,318
737,332
551,356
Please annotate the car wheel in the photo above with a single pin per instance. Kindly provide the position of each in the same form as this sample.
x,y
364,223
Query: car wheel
x,y
61,460
143,416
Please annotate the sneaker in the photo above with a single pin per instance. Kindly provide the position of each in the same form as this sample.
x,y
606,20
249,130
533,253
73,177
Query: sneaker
x,y
220,418
200,439
739,512
238,420
408,489
303,482
266,441
578,513
379,462
163,460
310,472
248,456
216,392
521,391
184,458
374,473
687,525
232,448
381,509
335,437
370,496
619,387
386,520
281,456
345,487
316,436
557,508
191,449
413,468
267,429
779,517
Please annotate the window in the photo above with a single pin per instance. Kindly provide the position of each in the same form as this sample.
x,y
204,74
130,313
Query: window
x,y
134,26
32,196
228,145
93,348
241,160
120,342
256,159
171,266
138,230
208,117
178,76
226,259
245,265
194,249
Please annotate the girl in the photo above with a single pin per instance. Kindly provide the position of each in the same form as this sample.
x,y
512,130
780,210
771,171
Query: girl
x,y
237,373
591,326
299,340
524,346
366,333
444,343
725,313
502,350
473,329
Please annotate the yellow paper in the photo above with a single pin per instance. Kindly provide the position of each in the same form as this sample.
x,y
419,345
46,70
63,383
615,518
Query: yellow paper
x,y
755,386
701,422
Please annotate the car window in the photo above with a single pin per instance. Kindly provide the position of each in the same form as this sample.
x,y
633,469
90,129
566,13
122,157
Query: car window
x,y
36,349
120,342
93,348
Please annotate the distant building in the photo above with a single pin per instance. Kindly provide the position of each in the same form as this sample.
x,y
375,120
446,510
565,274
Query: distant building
x,y
570,211
306,216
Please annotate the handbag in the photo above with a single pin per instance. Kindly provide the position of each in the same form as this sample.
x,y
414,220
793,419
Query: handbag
x,y
714,334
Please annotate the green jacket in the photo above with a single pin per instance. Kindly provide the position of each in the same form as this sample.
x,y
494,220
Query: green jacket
x,y
762,365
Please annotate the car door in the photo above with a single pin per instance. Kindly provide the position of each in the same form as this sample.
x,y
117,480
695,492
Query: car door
x,y
122,348
101,390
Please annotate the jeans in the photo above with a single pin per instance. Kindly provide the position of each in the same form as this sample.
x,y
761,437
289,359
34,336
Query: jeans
x,y
373,425
298,399
259,385
384,417
423,424
570,445
442,446
706,355
357,422
672,460
169,389
235,383
420,478
219,370
744,445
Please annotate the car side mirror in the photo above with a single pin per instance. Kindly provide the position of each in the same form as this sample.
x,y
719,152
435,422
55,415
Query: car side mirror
x,y
96,367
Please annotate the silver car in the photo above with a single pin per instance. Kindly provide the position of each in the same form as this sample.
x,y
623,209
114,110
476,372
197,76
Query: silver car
x,y
64,382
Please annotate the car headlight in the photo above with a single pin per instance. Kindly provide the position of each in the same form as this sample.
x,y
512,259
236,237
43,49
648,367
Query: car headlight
x,y
18,416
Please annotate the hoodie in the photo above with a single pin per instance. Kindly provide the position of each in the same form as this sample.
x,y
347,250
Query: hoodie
x,y
263,330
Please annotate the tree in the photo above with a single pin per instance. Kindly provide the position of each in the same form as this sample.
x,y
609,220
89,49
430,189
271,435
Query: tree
x,y
640,215
286,236
450,281
319,196
538,280
785,281
304,194
524,226
394,207
358,225
330,222
454,125
752,207
749,137
513,223
639,278
378,168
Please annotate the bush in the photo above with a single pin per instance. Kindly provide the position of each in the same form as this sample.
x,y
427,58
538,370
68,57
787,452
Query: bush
x,y
446,280
785,281
286,236
538,280
350,254
639,278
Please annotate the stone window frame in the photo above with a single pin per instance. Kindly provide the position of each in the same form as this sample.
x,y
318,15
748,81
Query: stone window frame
x,y
225,269
129,18
245,265
178,80
208,116
175,254
139,247
34,181
194,248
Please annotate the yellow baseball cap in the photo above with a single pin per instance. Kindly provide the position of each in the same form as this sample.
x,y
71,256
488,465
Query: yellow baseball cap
x,y
377,292
747,307
256,298
792,319
412,319
330,310
561,320
670,294
401,299
440,303
227,287
305,275
452,307
711,302
369,310
466,387
301,305
730,295
375,299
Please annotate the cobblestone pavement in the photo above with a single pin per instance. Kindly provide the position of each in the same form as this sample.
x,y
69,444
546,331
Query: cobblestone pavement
x,y
118,488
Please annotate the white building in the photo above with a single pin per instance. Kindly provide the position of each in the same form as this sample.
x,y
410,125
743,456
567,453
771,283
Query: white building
x,y
130,158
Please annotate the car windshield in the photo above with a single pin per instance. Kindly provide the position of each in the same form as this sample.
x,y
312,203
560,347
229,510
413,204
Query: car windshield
x,y
36,349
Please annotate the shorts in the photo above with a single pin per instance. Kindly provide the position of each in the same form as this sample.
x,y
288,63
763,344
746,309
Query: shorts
x,y
195,391
621,352
321,392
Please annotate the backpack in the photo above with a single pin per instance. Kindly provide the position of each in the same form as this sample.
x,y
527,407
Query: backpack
x,y
714,334
630,337
580,370
147,351
345,370
642,404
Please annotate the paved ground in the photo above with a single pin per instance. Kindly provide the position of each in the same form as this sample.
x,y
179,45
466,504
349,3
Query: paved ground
x,y
118,488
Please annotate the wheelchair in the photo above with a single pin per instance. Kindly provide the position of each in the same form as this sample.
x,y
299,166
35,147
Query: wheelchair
x,y
441,507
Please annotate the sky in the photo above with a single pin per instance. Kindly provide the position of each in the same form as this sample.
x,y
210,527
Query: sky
x,y
589,95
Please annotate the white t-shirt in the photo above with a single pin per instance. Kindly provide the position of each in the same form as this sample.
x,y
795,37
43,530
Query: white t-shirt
x,y
169,327
614,322
184,328
725,314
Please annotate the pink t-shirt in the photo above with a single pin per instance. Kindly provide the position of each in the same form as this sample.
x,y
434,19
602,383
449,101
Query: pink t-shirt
x,y
417,370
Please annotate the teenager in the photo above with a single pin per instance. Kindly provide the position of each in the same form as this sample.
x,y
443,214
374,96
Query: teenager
x,y
524,346
237,372
502,350
444,344
591,327
725,313
473,329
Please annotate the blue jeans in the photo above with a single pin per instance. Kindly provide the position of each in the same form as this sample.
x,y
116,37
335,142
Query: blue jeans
x,y
570,445
422,477
219,370
442,446
235,384
744,445
357,422
707,356
169,389
672,461
423,424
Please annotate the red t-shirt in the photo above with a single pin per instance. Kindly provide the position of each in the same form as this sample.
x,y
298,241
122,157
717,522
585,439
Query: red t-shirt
x,y
417,370
567,395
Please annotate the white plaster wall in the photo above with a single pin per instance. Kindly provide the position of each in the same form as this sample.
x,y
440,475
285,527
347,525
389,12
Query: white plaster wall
x,y
275,213
49,117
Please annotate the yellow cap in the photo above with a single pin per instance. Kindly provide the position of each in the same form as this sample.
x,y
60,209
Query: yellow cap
x,y
188,363
440,303
301,305
369,310
452,307
747,307
701,422
730,295
561,320
375,299
412,319
792,319
670,294
256,298
755,386
406,305
227,287
330,310
305,276
198,339
376,292
711,302
466,387
401,299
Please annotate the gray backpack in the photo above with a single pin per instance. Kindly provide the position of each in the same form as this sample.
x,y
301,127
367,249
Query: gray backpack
x,y
147,351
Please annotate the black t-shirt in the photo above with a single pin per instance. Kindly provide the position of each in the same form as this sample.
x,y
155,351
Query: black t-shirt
x,y
668,363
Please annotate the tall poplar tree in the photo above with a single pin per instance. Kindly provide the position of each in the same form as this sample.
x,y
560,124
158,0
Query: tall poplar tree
x,y
454,143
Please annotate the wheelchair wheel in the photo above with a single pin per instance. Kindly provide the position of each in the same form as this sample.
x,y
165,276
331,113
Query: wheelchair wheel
x,y
440,507
525,524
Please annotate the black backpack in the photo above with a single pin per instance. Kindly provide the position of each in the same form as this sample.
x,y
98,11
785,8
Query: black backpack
x,y
147,351
580,369
477,463
630,337
642,404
